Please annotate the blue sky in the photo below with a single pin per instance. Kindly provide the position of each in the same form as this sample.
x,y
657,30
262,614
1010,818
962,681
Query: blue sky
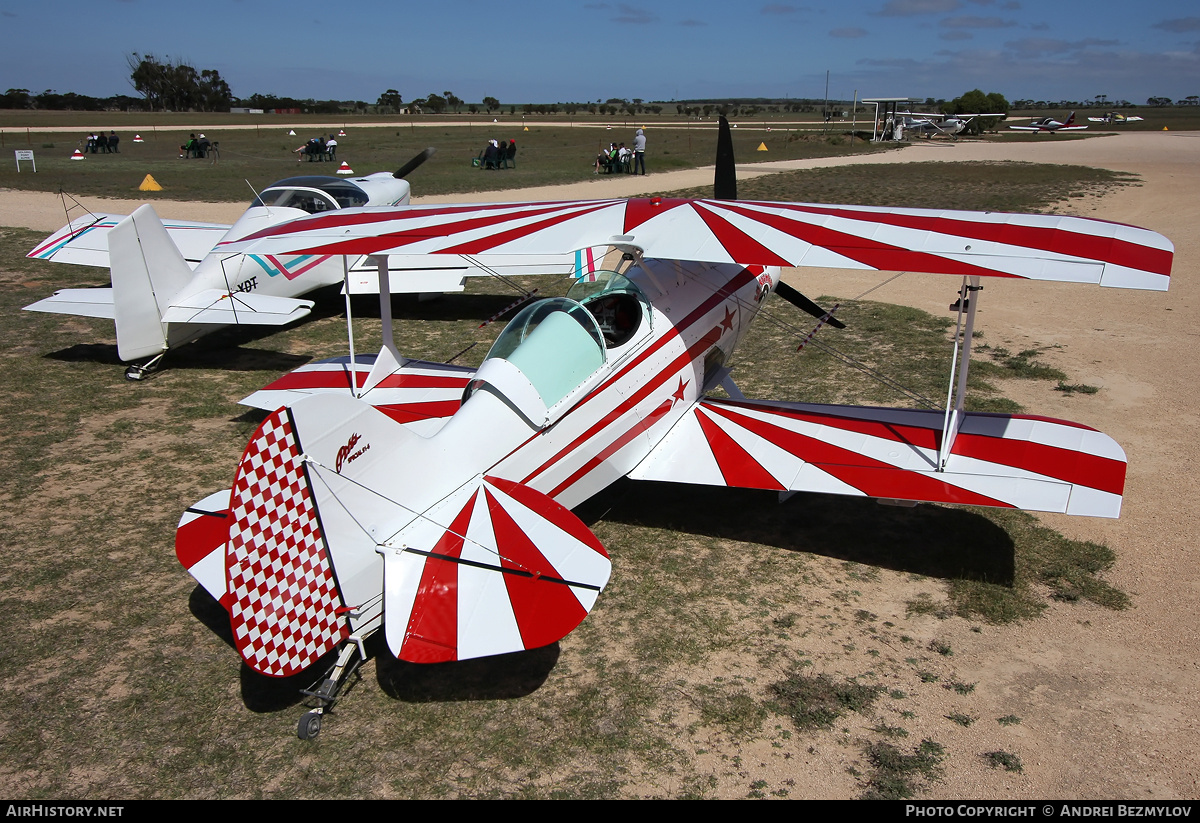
x,y
568,50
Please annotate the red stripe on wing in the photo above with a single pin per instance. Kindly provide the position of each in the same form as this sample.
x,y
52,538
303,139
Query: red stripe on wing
x,y
1060,241
872,477
737,466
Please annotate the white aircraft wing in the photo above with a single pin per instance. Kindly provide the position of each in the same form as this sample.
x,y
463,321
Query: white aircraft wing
x,y
419,395
1011,461
239,308
81,302
84,241
1039,247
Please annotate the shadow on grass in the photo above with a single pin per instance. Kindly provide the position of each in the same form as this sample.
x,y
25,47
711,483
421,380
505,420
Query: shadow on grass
x,y
501,677
930,540
209,354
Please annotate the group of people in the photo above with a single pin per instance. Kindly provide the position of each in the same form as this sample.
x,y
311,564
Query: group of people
x,y
318,149
620,158
498,155
100,143
196,146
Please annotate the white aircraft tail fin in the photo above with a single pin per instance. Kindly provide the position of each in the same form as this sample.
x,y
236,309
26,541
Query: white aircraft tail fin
x,y
148,270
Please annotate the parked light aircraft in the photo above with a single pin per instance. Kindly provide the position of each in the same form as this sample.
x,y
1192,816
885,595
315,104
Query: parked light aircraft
x,y
432,501
1049,124
1114,117
172,282
947,125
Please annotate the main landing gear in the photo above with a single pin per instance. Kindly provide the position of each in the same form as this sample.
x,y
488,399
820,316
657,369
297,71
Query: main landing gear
x,y
329,691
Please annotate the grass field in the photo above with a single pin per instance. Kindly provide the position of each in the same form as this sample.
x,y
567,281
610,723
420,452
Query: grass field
x,y
547,154
682,683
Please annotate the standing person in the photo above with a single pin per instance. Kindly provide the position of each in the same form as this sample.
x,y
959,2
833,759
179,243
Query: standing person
x,y
113,140
639,152
331,147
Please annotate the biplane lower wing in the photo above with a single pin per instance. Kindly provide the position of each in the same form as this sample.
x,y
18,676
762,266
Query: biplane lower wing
x,y
418,394
1017,461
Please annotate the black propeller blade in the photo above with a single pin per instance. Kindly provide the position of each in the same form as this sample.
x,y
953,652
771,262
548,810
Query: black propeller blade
x,y
804,304
416,161
725,178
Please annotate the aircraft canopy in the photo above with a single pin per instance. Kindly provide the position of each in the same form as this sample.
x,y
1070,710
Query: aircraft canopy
x,y
313,194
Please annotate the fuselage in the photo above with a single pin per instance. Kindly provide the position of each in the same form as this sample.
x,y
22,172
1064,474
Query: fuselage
x,y
572,397
295,274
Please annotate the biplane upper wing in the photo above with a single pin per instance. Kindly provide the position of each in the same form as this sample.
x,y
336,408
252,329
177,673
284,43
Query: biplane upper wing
x,y
419,395
1009,461
1039,247
84,241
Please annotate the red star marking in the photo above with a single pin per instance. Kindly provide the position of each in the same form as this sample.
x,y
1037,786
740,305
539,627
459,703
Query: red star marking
x,y
678,395
727,323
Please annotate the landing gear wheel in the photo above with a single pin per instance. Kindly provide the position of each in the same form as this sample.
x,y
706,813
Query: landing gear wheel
x,y
309,726
140,371
326,694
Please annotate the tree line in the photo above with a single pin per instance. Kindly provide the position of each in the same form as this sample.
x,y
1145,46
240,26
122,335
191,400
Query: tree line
x,y
168,84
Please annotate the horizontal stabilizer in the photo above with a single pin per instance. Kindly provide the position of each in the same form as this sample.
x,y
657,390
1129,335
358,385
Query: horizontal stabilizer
x,y
239,308
495,568
200,541
1018,461
80,302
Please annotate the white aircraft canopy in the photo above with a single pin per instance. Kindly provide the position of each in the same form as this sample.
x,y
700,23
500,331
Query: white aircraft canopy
x,y
312,194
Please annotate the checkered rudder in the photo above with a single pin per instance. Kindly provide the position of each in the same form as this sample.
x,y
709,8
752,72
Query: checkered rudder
x,y
282,597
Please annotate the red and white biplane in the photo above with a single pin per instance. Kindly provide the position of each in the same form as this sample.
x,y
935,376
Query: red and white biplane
x,y
433,501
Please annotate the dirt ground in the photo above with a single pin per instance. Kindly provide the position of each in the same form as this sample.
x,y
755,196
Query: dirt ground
x,y
1108,700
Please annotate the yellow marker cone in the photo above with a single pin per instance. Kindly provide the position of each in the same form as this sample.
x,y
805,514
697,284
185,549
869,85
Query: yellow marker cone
x,y
527,128
1165,128
761,147
149,184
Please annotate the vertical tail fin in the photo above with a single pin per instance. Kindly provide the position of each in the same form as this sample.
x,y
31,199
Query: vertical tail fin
x,y
148,271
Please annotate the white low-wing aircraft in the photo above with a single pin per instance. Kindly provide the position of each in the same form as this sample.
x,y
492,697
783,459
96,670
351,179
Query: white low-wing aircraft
x,y
1114,117
1049,124
173,282
432,501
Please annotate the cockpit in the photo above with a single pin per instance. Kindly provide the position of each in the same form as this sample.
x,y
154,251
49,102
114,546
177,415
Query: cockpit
x,y
312,194
618,305
556,348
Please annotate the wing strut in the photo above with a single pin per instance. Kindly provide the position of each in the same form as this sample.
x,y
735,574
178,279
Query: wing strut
x,y
389,358
968,301
352,374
